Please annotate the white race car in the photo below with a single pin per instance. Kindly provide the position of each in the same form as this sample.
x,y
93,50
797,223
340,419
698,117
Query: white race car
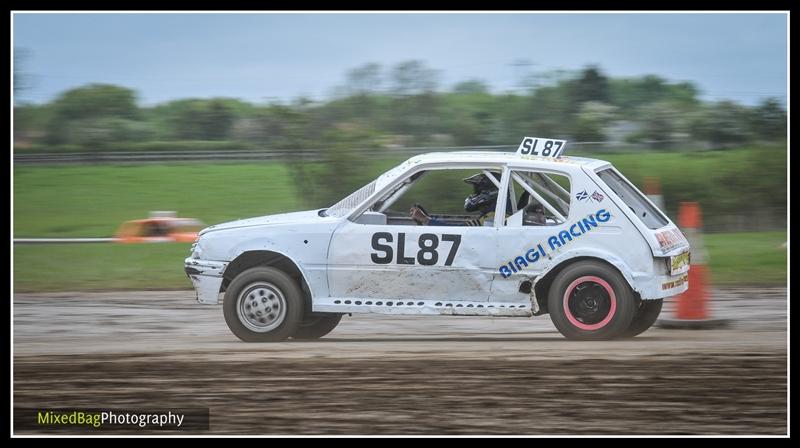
x,y
578,241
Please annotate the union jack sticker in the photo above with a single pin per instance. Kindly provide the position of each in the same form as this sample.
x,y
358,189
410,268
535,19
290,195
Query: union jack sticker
x,y
595,197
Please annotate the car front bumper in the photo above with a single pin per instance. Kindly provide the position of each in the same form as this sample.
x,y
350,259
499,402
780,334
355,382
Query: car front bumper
x,y
206,276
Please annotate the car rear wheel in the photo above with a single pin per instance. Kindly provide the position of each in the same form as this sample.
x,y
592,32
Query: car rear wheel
x,y
590,300
646,316
263,304
317,326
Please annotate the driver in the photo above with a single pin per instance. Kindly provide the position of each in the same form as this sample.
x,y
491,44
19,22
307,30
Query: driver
x,y
482,200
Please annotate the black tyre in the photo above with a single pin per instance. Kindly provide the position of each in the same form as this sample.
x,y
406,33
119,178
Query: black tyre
x,y
317,326
590,300
263,304
645,317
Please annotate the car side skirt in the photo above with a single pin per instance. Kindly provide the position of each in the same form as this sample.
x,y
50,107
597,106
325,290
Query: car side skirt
x,y
417,307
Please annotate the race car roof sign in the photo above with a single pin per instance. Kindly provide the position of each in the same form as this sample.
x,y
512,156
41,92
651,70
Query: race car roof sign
x,y
542,147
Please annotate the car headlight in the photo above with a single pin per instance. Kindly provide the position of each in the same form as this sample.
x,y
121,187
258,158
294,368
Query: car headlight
x,y
196,251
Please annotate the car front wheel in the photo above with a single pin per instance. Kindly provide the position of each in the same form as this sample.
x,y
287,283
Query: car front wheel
x,y
590,300
263,304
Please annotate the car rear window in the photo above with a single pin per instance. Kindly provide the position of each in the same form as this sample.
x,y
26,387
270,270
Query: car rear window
x,y
633,198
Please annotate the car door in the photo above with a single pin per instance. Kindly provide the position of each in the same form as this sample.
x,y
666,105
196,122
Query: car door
x,y
523,242
411,262
374,260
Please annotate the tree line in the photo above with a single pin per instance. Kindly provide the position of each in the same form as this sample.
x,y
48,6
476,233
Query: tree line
x,y
405,105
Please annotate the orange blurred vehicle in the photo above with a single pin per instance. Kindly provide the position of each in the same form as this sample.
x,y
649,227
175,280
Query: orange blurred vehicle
x,y
159,228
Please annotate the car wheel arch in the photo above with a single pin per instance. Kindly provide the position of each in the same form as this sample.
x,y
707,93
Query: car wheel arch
x,y
252,258
541,285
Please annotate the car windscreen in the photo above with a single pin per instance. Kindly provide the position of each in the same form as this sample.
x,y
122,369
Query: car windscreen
x,y
346,205
633,198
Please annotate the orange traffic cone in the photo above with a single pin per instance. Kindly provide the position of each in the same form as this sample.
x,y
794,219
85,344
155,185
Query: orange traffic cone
x,y
692,306
652,188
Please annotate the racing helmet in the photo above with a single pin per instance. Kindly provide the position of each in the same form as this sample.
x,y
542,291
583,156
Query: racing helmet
x,y
484,196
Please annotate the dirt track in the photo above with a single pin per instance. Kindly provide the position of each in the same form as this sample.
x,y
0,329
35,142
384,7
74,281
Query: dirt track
x,y
406,375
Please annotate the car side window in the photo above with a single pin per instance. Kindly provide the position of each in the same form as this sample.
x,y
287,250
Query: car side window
x,y
444,197
541,198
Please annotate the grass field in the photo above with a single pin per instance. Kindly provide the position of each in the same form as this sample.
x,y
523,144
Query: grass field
x,y
735,259
85,267
747,258
92,201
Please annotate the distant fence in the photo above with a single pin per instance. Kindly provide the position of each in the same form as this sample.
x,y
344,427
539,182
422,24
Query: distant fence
x,y
225,155
310,154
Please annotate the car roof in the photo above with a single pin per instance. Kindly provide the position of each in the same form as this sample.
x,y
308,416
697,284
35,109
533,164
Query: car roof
x,y
506,158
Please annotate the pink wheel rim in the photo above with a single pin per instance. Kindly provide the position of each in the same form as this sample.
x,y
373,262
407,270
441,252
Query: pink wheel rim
x,y
608,290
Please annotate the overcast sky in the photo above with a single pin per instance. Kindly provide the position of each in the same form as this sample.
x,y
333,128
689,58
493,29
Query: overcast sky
x,y
261,57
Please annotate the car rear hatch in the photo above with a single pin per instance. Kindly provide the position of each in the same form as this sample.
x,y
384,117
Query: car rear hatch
x,y
663,236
